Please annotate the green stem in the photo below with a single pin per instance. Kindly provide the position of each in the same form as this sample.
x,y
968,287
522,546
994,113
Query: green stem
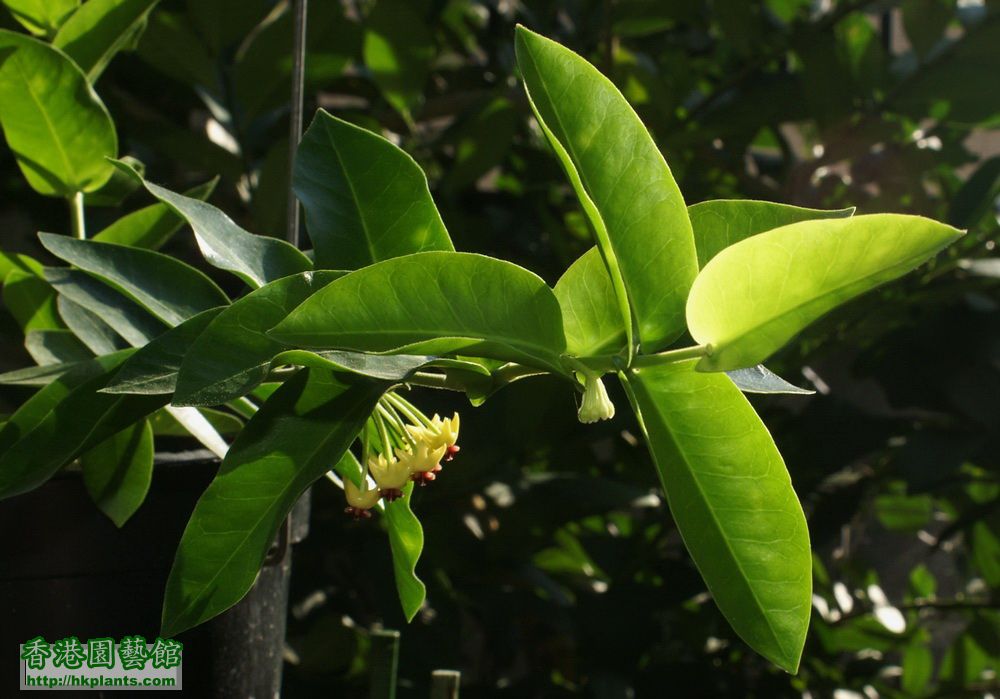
x,y
408,409
76,216
672,356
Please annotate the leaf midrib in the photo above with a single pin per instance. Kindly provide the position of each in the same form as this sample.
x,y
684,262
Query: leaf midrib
x,y
354,196
714,519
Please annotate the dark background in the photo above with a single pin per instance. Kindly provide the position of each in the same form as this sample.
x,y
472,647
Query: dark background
x,y
552,564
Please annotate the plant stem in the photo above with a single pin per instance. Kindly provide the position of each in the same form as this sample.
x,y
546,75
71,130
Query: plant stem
x,y
672,356
76,216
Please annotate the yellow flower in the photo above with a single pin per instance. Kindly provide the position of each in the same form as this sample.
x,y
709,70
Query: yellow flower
x,y
391,475
440,433
422,462
359,501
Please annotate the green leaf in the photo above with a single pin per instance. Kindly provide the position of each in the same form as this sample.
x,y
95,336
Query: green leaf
x,y
255,259
623,183
298,434
55,347
152,226
398,50
117,189
406,541
233,355
365,200
56,125
36,375
99,30
756,295
760,379
126,317
386,367
41,17
89,328
44,434
591,317
900,512
153,368
118,471
733,503
166,287
918,668
431,303
719,223
30,300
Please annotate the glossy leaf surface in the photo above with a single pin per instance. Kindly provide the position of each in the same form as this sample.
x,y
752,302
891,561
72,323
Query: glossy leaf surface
x,y
299,433
733,503
119,312
233,355
118,471
256,259
756,295
365,200
760,379
56,125
166,287
424,303
153,368
719,223
151,226
93,332
623,182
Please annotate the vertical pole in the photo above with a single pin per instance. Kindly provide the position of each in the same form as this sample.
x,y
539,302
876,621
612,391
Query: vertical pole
x,y
445,684
383,664
299,10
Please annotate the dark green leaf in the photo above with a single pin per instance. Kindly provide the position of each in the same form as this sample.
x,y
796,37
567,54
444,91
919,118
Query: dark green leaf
x,y
365,200
434,303
152,226
55,347
166,287
36,375
733,503
153,368
302,429
93,332
56,125
233,355
46,435
31,301
118,471
130,321
255,259
386,367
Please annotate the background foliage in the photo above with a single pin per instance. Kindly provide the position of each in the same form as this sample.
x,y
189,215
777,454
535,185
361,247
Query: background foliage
x,y
551,564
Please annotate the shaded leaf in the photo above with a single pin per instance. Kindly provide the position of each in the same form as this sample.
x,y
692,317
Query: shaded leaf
x,y
152,226
302,429
166,287
118,471
233,355
55,347
89,328
398,50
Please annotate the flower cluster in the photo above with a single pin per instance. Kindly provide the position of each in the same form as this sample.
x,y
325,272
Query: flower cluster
x,y
400,445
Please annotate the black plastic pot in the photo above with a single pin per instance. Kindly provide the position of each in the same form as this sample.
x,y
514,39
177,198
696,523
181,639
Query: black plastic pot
x,y
66,570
